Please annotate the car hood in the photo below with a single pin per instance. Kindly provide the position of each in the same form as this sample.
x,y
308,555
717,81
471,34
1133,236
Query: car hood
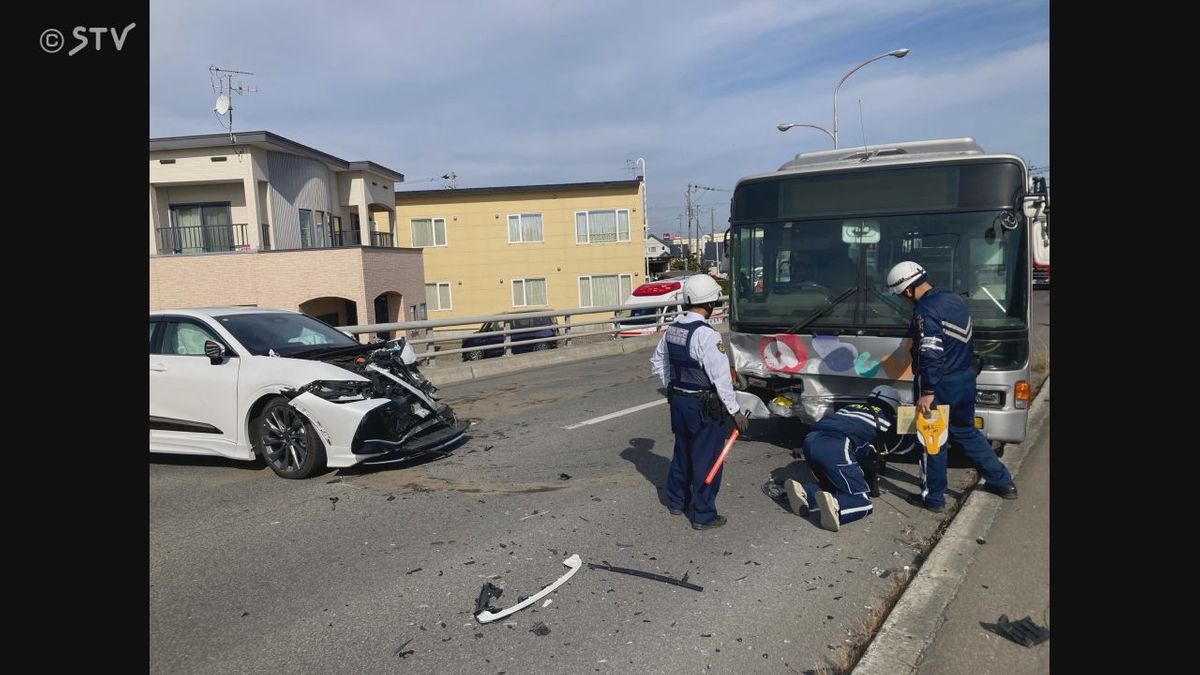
x,y
317,364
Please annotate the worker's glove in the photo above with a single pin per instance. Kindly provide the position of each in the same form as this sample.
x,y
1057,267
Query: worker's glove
x,y
740,421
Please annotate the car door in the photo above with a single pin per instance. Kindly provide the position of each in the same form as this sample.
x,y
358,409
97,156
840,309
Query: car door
x,y
193,402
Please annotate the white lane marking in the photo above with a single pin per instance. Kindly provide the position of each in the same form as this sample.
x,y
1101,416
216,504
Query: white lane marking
x,y
619,413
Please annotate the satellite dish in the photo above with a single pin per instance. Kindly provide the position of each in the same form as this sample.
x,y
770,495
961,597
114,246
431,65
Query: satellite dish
x,y
222,105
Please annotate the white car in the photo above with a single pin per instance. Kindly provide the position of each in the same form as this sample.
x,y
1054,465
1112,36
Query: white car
x,y
240,381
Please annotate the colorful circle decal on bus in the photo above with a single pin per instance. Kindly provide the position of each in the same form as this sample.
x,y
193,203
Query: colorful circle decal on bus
x,y
783,353
866,366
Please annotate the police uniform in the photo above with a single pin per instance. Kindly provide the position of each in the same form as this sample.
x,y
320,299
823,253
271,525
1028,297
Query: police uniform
x,y
690,360
834,449
943,347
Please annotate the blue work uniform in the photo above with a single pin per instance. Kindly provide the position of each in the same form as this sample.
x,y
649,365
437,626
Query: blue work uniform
x,y
690,360
943,347
834,448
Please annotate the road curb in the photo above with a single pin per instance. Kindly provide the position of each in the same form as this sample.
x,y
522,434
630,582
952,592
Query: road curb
x,y
913,622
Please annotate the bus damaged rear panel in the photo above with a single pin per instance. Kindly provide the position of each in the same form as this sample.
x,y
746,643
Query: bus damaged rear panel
x,y
812,324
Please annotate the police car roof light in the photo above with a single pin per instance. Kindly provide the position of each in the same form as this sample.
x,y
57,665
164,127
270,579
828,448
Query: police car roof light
x,y
656,288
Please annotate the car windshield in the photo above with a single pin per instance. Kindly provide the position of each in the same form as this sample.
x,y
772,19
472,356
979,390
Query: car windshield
x,y
286,334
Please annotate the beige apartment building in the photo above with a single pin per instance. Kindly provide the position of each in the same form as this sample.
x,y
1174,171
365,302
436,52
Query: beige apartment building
x,y
265,221
527,247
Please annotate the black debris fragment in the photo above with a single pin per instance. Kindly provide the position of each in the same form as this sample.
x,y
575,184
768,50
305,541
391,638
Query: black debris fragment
x,y
391,498
540,629
439,573
413,571
335,480
564,476
469,562
334,500
646,575
1023,632
487,593
448,639
829,616
503,545
839,597
706,635
402,652
488,448
885,574
479,635
245,613
981,540
751,561
825,546
741,577
442,624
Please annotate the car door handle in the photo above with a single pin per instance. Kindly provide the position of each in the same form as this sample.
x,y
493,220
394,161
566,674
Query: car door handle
x,y
158,367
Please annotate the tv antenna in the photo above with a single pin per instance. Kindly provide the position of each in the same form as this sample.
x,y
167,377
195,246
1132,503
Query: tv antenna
x,y
225,91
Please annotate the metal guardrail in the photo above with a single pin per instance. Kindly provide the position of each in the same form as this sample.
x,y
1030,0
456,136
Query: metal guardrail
x,y
565,331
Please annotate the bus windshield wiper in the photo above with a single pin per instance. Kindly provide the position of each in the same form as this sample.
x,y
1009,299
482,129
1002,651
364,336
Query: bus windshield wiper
x,y
890,301
823,310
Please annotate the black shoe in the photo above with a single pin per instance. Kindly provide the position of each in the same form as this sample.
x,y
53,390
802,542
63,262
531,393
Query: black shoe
x,y
1006,491
674,511
715,522
918,500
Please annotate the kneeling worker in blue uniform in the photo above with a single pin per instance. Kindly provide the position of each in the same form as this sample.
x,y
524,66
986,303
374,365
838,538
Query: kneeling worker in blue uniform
x,y
690,359
835,449
943,348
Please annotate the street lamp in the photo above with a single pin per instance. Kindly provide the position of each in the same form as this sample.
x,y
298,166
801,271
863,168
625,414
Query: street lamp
x,y
645,216
785,127
898,53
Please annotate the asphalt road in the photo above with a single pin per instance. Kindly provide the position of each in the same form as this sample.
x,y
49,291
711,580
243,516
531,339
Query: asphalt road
x,y
251,573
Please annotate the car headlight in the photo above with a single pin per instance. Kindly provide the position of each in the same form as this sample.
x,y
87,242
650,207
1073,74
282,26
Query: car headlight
x,y
339,391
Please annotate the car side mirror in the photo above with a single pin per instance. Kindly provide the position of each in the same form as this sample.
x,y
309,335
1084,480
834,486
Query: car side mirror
x,y
215,351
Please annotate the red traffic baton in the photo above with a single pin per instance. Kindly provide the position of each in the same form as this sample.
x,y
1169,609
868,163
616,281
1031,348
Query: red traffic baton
x,y
721,458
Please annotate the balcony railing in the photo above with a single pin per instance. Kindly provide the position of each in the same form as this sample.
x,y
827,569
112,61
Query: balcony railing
x,y
222,238
202,239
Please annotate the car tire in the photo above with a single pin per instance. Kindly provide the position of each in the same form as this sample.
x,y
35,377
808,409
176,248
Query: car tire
x,y
286,441
476,355
542,346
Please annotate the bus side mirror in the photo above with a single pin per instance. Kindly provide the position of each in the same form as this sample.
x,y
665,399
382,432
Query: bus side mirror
x,y
726,243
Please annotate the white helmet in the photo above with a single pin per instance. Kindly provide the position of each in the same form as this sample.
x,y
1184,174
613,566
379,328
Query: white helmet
x,y
903,275
887,394
700,289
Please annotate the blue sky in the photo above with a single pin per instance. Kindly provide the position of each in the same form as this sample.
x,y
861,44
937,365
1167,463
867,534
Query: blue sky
x,y
518,92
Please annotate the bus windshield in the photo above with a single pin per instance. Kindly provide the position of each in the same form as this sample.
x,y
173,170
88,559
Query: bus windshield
x,y
790,270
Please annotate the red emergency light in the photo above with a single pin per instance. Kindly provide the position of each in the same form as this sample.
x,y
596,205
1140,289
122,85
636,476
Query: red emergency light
x,y
656,289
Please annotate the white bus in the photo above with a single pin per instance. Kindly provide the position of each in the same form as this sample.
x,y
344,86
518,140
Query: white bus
x,y
812,325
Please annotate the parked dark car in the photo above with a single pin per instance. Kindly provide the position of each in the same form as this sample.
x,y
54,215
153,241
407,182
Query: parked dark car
x,y
488,334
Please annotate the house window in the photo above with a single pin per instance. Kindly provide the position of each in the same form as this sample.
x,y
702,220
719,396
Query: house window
x,y
524,228
428,232
437,296
599,290
306,223
198,228
601,227
528,292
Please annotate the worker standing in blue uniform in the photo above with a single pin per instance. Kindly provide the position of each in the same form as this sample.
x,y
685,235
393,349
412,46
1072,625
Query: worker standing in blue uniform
x,y
690,360
835,449
943,347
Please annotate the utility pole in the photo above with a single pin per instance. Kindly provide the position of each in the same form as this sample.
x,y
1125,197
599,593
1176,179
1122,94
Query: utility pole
x,y
712,236
690,208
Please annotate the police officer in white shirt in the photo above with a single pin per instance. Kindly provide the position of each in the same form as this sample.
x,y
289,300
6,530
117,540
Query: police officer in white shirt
x,y
690,359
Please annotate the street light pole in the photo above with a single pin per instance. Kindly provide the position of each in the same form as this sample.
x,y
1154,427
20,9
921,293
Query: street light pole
x,y
645,216
898,53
